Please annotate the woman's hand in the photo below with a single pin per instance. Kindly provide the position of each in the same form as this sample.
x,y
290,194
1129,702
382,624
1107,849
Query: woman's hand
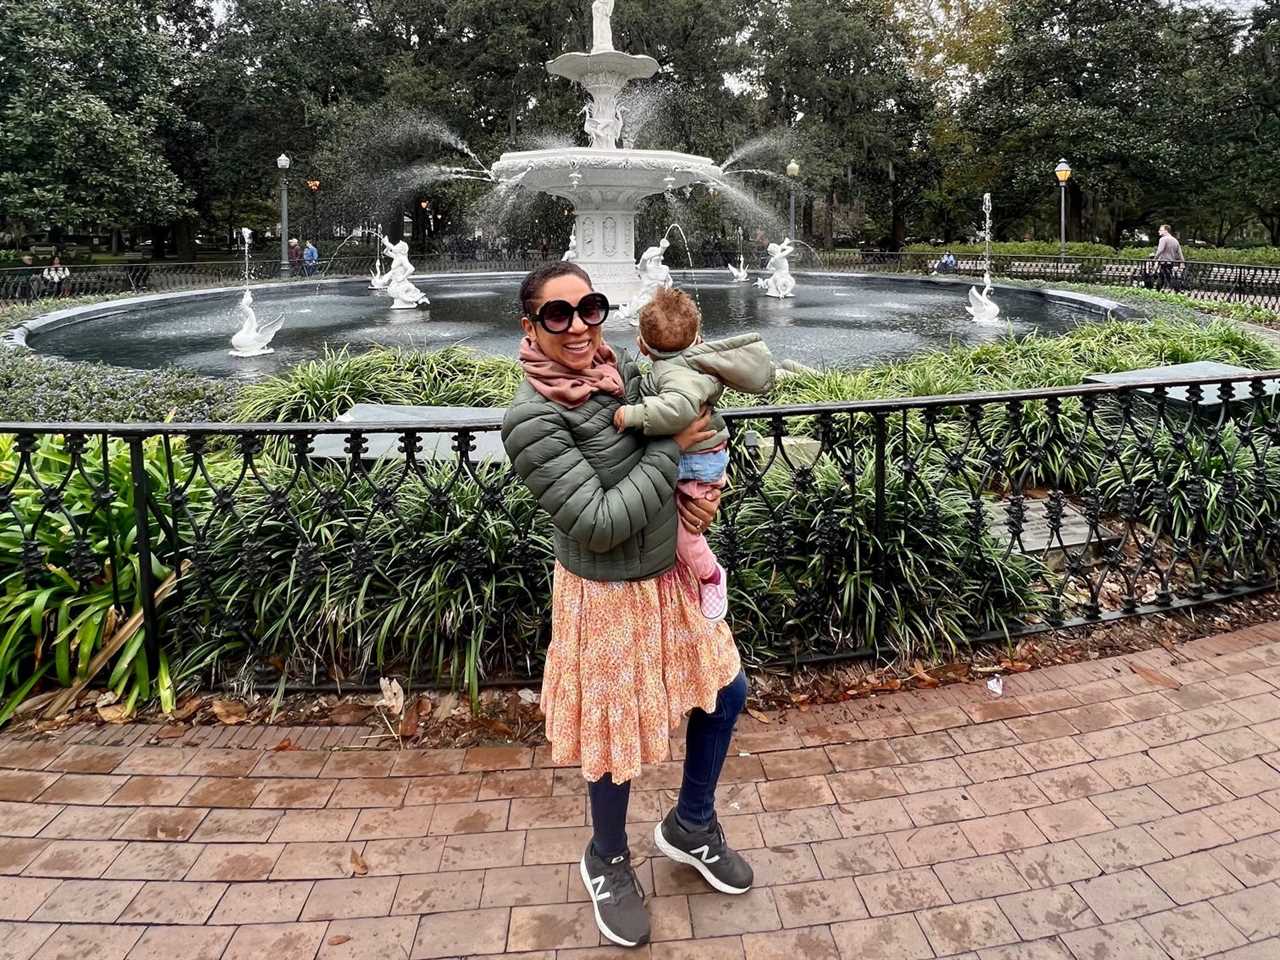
x,y
696,515
695,433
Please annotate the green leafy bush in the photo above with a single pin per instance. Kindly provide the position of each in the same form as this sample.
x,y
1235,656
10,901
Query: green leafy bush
x,y
41,389
1254,256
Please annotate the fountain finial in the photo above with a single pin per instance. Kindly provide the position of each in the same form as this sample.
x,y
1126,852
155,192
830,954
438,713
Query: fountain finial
x,y
601,26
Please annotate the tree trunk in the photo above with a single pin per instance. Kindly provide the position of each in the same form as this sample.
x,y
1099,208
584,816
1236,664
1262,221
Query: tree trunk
x,y
159,234
184,240
829,228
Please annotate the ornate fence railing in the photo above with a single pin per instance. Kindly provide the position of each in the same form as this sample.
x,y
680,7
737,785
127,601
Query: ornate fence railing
x,y
145,276
847,529
1210,281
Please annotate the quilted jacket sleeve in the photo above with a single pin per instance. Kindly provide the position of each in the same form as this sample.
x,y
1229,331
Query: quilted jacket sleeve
x,y
542,450
678,398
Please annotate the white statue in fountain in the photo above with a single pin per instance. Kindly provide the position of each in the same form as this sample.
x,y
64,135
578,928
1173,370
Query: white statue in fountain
x,y
654,275
982,309
779,283
252,339
402,290
571,253
739,273
601,26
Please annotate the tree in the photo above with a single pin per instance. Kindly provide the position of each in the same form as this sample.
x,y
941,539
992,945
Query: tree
x,y
83,101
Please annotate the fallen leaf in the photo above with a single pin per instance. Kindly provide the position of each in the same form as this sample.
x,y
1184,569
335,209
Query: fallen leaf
x,y
497,727
285,744
755,714
1015,666
409,722
115,712
339,940
445,707
188,708
349,714
171,731
921,676
229,712
392,696
359,867
1154,676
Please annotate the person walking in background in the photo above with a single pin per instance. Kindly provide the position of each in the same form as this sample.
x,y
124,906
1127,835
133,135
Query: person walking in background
x,y
1168,253
309,257
295,257
56,276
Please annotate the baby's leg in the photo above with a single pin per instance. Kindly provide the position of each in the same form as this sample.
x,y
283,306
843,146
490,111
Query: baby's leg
x,y
691,548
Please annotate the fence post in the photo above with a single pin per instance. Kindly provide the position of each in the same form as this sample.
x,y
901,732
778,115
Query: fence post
x,y
146,576
882,441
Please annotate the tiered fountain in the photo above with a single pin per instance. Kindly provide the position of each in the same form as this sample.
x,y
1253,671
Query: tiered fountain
x,y
605,183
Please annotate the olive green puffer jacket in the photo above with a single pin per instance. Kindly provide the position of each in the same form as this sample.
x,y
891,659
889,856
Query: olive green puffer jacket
x,y
611,495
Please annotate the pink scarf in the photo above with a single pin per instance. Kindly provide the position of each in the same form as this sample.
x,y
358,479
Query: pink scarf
x,y
570,388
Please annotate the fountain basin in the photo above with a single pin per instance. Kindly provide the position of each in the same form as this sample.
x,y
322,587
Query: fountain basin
x,y
605,187
834,320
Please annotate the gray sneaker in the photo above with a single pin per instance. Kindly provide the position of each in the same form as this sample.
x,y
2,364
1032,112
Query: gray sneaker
x,y
706,851
616,898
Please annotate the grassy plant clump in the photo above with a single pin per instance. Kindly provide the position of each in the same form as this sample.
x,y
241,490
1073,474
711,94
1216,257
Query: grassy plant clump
x,y
69,571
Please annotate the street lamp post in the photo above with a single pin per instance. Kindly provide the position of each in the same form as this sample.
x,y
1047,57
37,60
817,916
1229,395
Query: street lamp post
x,y
314,187
793,171
283,162
1063,172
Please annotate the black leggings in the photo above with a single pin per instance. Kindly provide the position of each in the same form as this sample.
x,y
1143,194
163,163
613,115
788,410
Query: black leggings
x,y
706,746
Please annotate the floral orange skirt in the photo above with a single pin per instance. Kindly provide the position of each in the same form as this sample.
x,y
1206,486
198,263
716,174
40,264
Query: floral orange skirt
x,y
626,662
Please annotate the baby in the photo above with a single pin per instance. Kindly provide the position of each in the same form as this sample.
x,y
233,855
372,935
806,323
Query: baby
x,y
687,375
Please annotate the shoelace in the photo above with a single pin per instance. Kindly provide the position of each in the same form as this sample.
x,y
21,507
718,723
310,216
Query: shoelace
x,y
621,880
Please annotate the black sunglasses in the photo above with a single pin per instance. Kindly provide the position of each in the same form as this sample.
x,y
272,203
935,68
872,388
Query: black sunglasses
x,y
556,316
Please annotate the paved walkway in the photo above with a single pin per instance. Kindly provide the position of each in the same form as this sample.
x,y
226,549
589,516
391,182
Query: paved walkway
x,y
1095,812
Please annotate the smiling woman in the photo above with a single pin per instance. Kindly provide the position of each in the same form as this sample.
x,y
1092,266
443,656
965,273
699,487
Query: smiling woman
x,y
630,649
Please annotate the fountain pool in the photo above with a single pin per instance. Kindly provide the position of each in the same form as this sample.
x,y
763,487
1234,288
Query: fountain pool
x,y
833,320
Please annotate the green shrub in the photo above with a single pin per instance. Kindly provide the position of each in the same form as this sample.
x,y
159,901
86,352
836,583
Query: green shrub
x,y
1254,256
43,389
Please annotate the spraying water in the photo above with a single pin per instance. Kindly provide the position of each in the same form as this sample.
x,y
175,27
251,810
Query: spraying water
x,y
773,140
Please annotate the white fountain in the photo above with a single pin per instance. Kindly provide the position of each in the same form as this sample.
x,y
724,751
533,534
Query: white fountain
x,y
605,184
252,339
982,309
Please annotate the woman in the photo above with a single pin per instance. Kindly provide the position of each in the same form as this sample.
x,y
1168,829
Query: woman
x,y
56,276
630,650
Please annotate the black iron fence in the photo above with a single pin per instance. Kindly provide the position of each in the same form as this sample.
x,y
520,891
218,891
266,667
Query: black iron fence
x,y
848,529
1228,282
1211,281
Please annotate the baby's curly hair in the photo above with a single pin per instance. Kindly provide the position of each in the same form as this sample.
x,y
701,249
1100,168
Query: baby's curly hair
x,y
670,321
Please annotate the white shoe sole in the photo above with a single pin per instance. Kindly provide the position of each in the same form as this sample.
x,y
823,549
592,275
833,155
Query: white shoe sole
x,y
679,856
609,934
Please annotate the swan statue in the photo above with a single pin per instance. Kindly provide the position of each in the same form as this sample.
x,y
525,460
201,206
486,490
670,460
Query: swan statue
x,y
252,339
780,283
739,273
982,309
377,279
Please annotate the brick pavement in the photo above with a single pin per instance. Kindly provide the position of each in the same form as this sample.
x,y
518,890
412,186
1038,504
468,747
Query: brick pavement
x,y
1092,813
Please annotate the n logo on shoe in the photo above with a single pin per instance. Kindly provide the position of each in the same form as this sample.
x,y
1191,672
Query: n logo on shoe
x,y
702,852
598,884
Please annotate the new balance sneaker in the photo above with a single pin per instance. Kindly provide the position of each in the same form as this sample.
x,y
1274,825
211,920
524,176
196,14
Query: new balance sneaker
x,y
713,596
616,898
705,850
